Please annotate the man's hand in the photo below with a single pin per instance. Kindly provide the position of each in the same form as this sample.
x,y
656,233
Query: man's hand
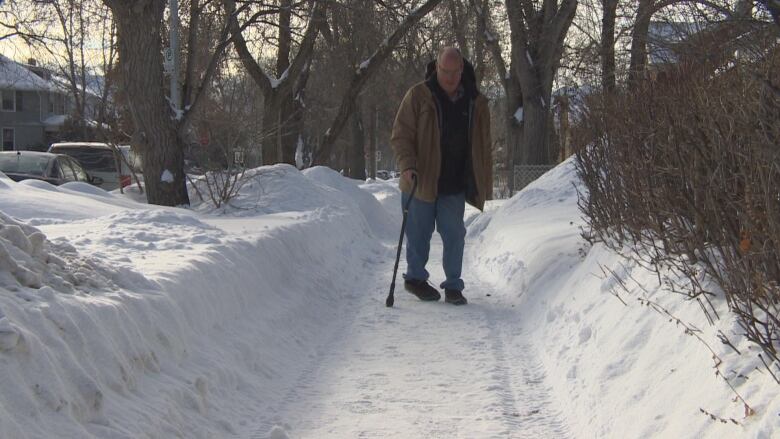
x,y
407,175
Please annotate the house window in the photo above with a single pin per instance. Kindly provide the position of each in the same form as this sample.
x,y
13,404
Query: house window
x,y
8,139
19,100
56,103
9,101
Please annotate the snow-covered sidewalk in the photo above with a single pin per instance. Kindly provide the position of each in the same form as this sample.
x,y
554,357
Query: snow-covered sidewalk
x,y
421,370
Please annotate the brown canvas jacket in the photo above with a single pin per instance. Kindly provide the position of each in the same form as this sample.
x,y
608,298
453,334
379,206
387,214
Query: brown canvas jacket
x,y
415,142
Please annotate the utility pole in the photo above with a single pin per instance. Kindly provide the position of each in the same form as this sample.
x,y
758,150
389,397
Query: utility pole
x,y
175,96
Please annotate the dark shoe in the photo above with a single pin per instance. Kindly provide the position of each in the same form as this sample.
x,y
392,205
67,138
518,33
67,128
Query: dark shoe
x,y
454,297
422,289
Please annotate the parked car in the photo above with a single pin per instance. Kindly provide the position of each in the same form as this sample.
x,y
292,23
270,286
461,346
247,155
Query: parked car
x,y
131,158
383,174
99,159
53,168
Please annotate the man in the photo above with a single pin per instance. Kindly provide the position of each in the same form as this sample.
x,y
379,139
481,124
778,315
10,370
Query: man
x,y
441,137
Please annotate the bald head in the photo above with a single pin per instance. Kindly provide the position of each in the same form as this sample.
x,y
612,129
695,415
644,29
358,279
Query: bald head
x,y
449,67
449,53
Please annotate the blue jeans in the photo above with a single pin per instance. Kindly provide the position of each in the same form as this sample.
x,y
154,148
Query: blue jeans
x,y
446,213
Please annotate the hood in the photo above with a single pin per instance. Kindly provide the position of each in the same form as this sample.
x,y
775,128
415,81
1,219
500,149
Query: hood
x,y
468,78
20,177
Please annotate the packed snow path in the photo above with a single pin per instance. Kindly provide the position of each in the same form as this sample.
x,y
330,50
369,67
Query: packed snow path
x,y
419,370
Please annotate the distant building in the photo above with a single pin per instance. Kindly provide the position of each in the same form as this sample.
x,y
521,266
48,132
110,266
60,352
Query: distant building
x,y
32,106
663,41
35,104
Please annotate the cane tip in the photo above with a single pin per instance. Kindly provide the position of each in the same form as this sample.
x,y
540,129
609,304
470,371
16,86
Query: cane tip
x,y
389,302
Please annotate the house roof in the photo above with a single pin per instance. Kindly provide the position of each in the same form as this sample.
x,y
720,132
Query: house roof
x,y
15,76
663,35
94,84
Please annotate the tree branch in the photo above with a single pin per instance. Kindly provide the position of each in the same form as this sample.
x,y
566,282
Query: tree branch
x,y
485,32
307,46
363,73
239,43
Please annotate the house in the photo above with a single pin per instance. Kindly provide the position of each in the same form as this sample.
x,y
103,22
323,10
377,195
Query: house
x,y
32,108
676,50
664,39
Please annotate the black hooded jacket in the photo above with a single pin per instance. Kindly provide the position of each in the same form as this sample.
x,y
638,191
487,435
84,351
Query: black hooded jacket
x,y
455,120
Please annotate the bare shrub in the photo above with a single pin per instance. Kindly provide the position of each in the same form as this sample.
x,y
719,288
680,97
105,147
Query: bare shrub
x,y
221,186
684,175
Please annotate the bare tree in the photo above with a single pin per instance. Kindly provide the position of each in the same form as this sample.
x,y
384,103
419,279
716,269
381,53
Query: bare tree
x,y
106,107
510,83
140,49
773,6
354,28
609,15
537,33
361,76
160,129
75,21
647,9
277,91
537,37
20,20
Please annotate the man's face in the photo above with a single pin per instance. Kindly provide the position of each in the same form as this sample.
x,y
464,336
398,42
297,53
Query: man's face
x,y
448,71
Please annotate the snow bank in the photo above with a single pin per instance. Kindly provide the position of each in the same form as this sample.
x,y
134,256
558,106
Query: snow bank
x,y
378,219
52,347
282,188
388,195
131,321
270,189
29,260
42,203
618,370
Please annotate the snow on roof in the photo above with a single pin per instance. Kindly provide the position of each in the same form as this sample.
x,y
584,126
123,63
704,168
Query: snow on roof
x,y
55,121
94,84
81,145
662,36
16,76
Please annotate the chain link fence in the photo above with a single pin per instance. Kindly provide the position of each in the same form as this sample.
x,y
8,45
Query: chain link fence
x,y
524,175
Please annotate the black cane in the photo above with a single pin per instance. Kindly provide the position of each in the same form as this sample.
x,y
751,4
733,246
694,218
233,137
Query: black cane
x,y
390,298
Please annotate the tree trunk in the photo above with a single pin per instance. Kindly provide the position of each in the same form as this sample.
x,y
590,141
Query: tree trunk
x,y
638,64
357,150
564,136
533,144
270,129
537,37
140,52
192,45
285,37
288,139
609,14
296,124
514,130
514,98
459,26
535,135
373,128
